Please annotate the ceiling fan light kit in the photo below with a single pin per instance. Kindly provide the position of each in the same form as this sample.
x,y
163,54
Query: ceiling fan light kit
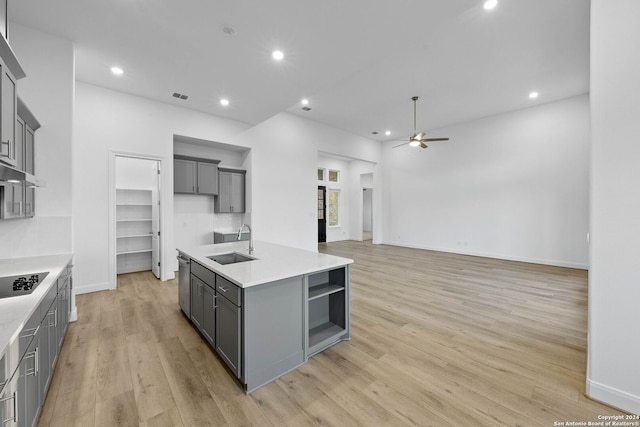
x,y
417,139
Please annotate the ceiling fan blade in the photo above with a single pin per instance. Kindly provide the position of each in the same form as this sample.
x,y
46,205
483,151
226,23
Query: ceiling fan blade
x,y
433,139
423,145
418,135
400,145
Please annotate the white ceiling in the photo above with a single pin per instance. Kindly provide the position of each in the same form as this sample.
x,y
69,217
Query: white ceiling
x,y
358,61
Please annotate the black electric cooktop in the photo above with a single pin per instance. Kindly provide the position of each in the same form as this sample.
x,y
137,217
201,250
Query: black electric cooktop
x,y
23,284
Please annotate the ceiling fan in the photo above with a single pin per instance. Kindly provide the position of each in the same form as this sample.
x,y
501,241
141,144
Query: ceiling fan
x,y
418,139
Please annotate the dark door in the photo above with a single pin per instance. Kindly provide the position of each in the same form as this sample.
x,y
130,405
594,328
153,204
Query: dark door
x,y
322,214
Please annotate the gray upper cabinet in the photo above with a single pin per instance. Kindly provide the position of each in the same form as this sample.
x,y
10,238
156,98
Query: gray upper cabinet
x,y
8,112
231,193
184,176
195,176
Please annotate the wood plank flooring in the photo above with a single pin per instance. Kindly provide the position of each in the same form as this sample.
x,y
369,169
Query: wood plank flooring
x,y
438,340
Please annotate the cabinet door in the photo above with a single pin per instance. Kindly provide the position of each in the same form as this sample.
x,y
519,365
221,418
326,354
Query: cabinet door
x,y
237,192
209,314
29,139
8,112
223,202
184,176
228,333
20,141
197,290
207,178
9,401
28,385
45,357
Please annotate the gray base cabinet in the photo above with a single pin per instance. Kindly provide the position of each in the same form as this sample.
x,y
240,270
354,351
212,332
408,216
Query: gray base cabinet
x,y
22,397
229,328
264,331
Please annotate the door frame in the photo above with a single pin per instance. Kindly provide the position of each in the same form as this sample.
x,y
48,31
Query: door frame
x,y
113,280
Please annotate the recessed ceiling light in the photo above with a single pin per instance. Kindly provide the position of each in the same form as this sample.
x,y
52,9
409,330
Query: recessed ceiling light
x,y
277,55
117,71
224,102
533,95
388,132
305,101
490,4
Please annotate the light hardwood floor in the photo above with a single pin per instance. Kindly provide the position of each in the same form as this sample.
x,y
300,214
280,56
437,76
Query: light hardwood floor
x,y
438,340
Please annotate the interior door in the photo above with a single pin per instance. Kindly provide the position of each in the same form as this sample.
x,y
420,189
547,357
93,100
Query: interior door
x,y
155,229
322,214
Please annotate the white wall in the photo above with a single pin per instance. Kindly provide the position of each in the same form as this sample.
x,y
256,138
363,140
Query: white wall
x,y
283,174
614,278
134,173
107,121
357,169
48,92
281,165
512,186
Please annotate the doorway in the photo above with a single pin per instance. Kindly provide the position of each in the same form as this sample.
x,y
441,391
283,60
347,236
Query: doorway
x,y
322,214
137,215
367,213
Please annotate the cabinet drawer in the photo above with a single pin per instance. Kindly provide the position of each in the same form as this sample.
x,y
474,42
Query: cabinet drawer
x,y
203,273
229,290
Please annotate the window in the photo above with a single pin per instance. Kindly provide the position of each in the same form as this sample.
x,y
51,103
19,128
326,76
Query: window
x,y
333,175
333,205
320,174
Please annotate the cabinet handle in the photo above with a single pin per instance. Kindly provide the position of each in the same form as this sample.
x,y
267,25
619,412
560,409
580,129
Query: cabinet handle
x,y
33,355
15,407
214,301
55,318
222,288
32,334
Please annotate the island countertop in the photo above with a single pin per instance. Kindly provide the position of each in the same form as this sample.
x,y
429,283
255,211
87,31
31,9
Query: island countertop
x,y
272,261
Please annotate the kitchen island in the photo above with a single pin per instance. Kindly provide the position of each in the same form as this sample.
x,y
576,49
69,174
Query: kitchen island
x,y
267,312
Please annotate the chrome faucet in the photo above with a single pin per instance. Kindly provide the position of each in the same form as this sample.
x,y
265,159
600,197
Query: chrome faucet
x,y
250,236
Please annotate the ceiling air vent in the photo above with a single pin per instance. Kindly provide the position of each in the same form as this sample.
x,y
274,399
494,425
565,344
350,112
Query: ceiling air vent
x,y
180,95
306,108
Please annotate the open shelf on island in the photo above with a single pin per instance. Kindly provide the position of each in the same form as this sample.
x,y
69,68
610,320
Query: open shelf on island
x,y
327,309
324,331
324,289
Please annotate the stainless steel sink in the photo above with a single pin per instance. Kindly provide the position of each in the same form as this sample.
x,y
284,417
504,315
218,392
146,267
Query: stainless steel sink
x,y
230,258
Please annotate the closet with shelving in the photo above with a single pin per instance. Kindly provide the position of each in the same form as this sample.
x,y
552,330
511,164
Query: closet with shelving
x,y
134,230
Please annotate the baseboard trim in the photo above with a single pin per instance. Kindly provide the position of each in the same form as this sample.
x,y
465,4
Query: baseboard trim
x,y
567,264
93,287
613,397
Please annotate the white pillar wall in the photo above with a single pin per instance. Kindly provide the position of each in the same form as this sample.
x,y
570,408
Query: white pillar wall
x,y
613,374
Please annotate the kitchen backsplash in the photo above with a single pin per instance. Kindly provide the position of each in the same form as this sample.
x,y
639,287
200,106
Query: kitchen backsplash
x,y
41,235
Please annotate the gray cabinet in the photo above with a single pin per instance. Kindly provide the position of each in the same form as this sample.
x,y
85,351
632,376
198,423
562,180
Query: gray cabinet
x,y
209,314
29,385
8,112
228,329
230,237
64,304
231,192
195,176
197,299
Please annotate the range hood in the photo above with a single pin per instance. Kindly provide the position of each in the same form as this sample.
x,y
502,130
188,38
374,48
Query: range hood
x,y
13,175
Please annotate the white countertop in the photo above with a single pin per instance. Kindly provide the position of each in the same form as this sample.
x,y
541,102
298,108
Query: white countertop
x,y
15,311
273,262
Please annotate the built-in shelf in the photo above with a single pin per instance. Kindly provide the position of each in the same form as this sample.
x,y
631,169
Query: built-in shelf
x,y
327,309
133,229
324,289
324,331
